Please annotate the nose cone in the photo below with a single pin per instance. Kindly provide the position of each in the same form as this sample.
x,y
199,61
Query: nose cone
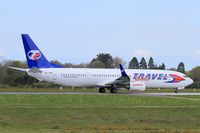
x,y
190,81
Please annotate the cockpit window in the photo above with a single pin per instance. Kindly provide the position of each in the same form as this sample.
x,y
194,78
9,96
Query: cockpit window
x,y
184,76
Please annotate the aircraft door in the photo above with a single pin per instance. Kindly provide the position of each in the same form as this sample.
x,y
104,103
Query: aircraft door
x,y
54,76
88,75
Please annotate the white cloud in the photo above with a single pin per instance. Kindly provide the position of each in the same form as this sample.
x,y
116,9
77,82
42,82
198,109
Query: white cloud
x,y
143,53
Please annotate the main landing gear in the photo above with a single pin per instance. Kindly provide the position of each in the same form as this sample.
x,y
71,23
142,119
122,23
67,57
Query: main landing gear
x,y
102,90
112,90
176,91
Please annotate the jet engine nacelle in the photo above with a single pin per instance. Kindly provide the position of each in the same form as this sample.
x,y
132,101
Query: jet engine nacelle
x,y
138,86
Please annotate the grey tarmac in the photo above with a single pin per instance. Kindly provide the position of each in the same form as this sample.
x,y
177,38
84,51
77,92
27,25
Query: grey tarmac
x,y
93,93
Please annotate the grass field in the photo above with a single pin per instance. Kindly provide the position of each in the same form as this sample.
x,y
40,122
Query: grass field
x,y
99,113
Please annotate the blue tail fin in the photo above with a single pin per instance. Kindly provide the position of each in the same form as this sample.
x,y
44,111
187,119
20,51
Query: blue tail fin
x,y
34,56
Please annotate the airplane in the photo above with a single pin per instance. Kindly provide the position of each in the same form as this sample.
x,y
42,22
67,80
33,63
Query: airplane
x,y
112,79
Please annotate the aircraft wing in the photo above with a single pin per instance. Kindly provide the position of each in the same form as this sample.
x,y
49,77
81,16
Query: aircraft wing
x,y
120,81
123,80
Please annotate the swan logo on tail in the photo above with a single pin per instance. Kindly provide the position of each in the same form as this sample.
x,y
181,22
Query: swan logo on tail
x,y
34,55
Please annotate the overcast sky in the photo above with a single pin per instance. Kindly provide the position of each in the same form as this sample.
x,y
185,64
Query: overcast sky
x,y
76,30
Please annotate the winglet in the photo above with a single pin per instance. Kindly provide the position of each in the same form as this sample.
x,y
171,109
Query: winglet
x,y
122,71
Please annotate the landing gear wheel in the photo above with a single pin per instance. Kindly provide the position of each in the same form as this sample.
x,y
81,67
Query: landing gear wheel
x,y
113,90
102,90
176,91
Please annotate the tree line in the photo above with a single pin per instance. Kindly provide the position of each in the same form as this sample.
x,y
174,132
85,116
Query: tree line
x,y
107,61
13,78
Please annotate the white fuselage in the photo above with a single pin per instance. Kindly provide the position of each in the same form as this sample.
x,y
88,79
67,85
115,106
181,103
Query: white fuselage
x,y
79,77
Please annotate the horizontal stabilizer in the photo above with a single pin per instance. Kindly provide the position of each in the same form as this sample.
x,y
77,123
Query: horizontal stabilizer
x,y
19,69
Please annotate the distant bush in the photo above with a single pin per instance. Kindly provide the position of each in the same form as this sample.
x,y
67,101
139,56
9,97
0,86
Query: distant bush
x,y
194,85
44,85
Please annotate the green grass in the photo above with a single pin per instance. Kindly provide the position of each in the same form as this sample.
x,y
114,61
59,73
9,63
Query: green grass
x,y
98,113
